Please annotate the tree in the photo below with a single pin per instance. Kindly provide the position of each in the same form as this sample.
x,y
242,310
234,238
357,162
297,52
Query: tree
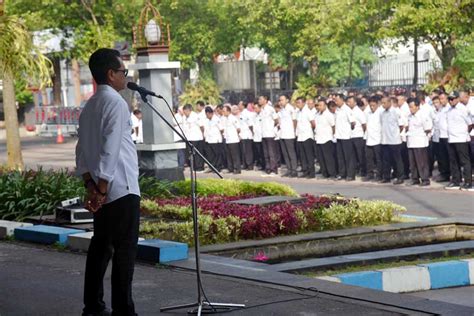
x,y
18,58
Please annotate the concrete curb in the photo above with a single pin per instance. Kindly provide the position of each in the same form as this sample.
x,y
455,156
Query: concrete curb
x,y
152,250
413,278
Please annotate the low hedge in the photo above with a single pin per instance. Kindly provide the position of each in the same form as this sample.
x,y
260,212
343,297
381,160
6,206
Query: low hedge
x,y
173,218
32,193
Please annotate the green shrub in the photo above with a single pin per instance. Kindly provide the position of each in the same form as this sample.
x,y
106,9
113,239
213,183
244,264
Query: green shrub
x,y
168,211
151,187
357,213
228,187
31,193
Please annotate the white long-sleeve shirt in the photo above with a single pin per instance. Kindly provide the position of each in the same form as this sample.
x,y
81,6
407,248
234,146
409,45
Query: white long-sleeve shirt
x,y
105,148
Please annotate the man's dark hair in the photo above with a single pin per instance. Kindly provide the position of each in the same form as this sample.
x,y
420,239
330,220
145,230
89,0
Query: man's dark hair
x,y
286,96
137,111
264,96
301,98
187,107
228,108
341,96
101,61
414,100
331,104
435,98
208,109
220,106
359,102
322,99
200,103
351,97
374,99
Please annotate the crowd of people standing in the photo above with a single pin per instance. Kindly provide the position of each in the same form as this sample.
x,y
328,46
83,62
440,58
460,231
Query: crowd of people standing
x,y
382,137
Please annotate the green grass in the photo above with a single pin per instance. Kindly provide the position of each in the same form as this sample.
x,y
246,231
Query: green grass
x,y
383,265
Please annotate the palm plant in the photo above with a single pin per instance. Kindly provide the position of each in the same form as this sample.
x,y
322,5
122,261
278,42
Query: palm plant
x,y
19,58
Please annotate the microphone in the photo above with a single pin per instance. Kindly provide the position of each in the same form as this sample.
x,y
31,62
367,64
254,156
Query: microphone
x,y
143,92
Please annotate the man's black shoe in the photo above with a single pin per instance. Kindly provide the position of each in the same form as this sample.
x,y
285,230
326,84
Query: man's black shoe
x,y
398,181
105,312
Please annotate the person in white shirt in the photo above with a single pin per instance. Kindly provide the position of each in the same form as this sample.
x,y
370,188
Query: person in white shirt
x,y
459,127
419,127
440,137
178,122
106,159
324,123
287,123
345,122
192,128
269,120
246,136
468,101
213,138
310,102
392,124
373,143
200,111
305,137
401,102
357,135
428,110
230,128
257,138
137,134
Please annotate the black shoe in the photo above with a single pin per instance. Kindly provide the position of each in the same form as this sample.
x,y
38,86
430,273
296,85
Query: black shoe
x,y
237,172
414,182
293,174
367,179
425,184
384,181
350,179
398,181
338,178
286,174
467,187
442,179
310,176
452,186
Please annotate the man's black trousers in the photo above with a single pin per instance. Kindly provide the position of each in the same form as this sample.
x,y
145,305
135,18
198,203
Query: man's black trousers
x,y
115,236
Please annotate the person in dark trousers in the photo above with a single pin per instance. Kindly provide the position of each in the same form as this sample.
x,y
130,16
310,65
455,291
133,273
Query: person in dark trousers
x,y
374,138
324,123
357,136
192,128
106,159
305,138
392,124
246,135
440,137
459,127
287,120
268,119
345,152
418,129
213,138
230,127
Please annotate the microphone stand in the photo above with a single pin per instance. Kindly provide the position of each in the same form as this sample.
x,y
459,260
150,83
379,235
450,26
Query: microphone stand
x,y
202,304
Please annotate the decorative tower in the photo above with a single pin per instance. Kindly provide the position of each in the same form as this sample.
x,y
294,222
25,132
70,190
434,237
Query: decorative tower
x,y
158,155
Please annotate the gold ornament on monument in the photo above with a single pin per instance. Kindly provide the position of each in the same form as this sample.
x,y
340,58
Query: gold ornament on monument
x,y
151,35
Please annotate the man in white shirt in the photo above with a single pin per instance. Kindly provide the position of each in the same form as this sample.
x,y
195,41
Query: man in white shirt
x,y
357,135
468,101
213,138
440,137
392,124
257,138
401,103
287,123
459,127
324,123
419,127
137,125
106,158
305,137
310,102
374,139
269,120
230,128
246,136
345,152
192,125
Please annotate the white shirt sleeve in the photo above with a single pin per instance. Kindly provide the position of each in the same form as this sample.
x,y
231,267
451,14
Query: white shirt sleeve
x,y
113,123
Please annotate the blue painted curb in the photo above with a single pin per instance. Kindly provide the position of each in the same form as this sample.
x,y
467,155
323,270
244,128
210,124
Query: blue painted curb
x,y
448,274
45,234
436,275
161,251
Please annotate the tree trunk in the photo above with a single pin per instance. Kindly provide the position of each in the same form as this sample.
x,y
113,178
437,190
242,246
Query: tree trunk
x,y
56,81
14,159
351,60
76,80
291,66
415,62
448,54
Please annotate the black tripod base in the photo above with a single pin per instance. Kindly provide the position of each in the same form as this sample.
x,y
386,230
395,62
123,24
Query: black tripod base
x,y
205,307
